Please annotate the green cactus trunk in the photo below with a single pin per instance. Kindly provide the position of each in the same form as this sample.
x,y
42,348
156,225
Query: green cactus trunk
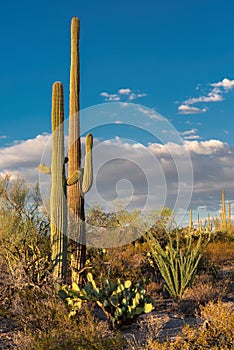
x,y
75,197
58,203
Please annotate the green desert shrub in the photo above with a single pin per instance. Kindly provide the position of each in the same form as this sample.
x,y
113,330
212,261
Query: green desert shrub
x,y
24,238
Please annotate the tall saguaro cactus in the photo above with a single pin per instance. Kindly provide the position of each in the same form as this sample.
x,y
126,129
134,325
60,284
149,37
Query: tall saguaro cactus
x,y
78,182
75,197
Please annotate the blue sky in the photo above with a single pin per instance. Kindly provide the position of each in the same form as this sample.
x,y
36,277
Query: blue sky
x,y
173,56
165,50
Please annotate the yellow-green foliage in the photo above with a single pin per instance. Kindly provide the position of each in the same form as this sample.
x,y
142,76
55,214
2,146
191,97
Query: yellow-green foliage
x,y
24,243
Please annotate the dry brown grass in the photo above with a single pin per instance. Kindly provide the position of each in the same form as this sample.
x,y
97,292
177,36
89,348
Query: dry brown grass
x,y
220,252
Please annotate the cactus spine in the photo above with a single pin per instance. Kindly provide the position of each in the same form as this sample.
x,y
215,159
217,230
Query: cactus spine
x,y
58,203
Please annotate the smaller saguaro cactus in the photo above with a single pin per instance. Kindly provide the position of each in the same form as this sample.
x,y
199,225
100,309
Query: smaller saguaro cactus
x,y
58,198
58,205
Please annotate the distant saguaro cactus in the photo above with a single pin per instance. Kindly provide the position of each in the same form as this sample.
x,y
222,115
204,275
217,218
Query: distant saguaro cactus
x,y
191,219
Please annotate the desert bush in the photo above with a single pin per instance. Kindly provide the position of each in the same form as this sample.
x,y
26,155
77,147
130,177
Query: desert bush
x,y
126,262
45,325
205,289
223,236
24,238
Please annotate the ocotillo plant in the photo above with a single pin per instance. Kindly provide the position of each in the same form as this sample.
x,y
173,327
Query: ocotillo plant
x,y
58,205
178,261
75,197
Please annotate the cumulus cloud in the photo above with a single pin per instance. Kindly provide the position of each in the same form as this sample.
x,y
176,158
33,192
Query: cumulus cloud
x,y
227,84
23,152
212,96
141,175
216,94
123,93
185,109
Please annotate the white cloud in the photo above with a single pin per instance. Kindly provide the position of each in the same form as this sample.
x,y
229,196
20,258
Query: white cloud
x,y
185,109
123,93
23,157
189,132
227,84
133,96
214,95
110,97
210,147
152,169
192,137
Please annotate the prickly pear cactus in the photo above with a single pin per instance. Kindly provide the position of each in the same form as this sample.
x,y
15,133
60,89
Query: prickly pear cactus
x,y
119,301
